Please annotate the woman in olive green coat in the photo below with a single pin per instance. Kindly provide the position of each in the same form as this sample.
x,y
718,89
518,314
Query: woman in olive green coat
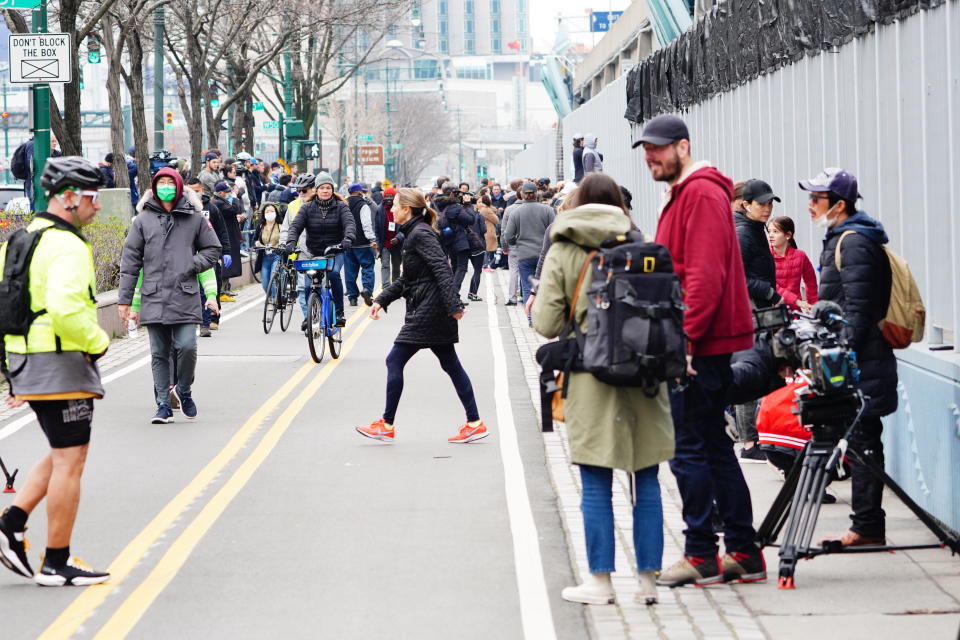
x,y
608,427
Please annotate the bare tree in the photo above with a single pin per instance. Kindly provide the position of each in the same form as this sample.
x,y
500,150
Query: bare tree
x,y
333,41
418,123
197,44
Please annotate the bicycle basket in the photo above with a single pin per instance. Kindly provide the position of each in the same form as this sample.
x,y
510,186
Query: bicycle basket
x,y
314,264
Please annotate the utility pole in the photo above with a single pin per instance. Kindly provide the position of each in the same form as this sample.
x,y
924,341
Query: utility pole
x,y
459,144
6,134
287,100
389,158
158,29
41,119
231,110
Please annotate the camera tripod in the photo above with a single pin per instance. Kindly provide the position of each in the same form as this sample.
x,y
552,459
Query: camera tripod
x,y
797,505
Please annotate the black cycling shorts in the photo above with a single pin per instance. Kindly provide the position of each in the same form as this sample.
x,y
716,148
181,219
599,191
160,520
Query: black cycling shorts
x,y
66,423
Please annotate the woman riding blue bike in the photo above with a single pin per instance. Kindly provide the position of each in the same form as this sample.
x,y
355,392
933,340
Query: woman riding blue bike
x,y
327,221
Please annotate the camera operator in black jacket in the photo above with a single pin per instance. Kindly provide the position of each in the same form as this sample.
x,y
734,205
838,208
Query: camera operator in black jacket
x,y
453,222
858,278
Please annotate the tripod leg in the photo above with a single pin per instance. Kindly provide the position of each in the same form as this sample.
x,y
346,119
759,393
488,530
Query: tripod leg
x,y
945,538
777,515
803,515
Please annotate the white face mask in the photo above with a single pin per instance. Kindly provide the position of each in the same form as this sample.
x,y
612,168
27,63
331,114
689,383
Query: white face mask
x,y
270,216
824,221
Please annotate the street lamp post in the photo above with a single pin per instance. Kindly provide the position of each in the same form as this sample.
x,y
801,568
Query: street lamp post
x,y
158,124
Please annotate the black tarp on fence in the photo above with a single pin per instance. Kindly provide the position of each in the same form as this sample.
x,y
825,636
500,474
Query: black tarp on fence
x,y
741,39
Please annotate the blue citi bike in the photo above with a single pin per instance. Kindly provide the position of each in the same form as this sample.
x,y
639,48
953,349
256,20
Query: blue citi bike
x,y
321,311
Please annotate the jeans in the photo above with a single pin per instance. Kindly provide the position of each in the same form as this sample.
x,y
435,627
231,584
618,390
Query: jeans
x,y
336,286
866,490
390,260
459,260
527,268
354,261
447,355
512,277
266,269
477,262
705,465
179,342
597,508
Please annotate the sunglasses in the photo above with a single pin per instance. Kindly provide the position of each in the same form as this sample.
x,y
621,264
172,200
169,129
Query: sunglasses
x,y
814,198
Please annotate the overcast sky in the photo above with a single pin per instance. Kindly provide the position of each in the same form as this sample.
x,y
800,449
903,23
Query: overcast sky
x,y
543,19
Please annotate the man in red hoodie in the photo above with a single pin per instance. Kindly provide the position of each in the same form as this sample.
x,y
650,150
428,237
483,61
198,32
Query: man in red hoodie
x,y
697,228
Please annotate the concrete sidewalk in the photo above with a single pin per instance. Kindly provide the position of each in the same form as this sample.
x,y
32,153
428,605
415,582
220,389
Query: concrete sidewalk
x,y
842,596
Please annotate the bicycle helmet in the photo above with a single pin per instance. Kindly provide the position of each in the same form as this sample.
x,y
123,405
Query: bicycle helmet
x,y
70,171
303,180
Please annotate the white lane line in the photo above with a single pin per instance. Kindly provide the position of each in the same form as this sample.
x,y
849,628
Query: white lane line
x,y
535,614
23,421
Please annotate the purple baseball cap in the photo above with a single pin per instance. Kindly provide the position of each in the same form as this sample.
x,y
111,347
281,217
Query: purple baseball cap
x,y
833,180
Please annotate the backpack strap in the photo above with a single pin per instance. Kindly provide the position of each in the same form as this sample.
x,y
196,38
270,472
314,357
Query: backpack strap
x,y
576,291
837,258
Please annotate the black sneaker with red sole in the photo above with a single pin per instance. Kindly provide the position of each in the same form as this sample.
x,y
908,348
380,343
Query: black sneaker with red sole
x,y
747,565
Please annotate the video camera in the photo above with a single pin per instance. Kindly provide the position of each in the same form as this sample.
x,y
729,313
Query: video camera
x,y
813,346
161,159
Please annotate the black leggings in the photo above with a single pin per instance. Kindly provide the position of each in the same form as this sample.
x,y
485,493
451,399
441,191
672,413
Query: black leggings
x,y
477,262
399,356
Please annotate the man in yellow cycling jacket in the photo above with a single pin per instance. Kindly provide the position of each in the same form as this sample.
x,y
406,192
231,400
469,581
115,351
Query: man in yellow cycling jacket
x,y
56,372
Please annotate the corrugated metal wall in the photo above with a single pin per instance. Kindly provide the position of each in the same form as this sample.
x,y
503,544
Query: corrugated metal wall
x,y
885,107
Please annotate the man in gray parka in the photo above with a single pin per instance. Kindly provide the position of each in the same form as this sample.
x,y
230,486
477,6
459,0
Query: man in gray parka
x,y
170,244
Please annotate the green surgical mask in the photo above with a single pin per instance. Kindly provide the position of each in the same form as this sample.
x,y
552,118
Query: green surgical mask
x,y
166,192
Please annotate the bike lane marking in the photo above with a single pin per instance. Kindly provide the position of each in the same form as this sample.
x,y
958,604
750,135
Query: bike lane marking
x,y
23,421
139,601
77,612
535,613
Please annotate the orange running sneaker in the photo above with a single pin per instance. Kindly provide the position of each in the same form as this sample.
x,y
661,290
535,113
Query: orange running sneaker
x,y
469,434
378,431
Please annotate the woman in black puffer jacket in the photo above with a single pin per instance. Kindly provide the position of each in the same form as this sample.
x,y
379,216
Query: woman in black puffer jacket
x,y
433,309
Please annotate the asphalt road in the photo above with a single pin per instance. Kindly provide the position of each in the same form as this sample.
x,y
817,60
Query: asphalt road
x,y
269,517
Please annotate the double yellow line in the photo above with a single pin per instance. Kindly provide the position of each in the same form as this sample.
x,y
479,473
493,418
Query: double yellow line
x,y
137,603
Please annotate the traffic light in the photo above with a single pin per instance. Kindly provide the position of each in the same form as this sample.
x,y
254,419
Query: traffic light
x,y
93,49
168,120
481,171
5,119
214,95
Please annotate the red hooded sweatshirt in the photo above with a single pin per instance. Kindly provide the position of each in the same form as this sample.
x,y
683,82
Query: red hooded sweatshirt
x,y
697,228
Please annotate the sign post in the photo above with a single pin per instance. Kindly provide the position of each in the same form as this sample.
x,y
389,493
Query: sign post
x,y
37,59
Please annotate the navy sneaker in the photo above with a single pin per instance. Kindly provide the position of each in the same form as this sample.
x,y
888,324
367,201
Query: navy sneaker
x,y
188,407
164,415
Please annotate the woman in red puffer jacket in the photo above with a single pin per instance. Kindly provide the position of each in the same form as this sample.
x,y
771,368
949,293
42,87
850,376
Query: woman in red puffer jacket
x,y
793,266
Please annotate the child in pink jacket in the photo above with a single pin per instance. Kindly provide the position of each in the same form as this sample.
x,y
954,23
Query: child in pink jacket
x,y
793,266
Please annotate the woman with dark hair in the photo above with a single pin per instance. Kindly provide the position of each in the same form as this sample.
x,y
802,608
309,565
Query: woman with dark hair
x,y
268,218
608,427
433,308
793,266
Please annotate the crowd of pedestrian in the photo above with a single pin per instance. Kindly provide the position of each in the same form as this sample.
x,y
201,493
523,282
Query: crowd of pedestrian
x,y
731,255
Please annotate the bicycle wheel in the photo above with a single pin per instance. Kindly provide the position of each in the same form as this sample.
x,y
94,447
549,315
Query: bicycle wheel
x,y
286,302
270,302
315,329
252,259
334,333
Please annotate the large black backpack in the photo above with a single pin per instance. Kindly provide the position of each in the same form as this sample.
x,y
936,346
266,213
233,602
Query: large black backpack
x,y
634,334
20,162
